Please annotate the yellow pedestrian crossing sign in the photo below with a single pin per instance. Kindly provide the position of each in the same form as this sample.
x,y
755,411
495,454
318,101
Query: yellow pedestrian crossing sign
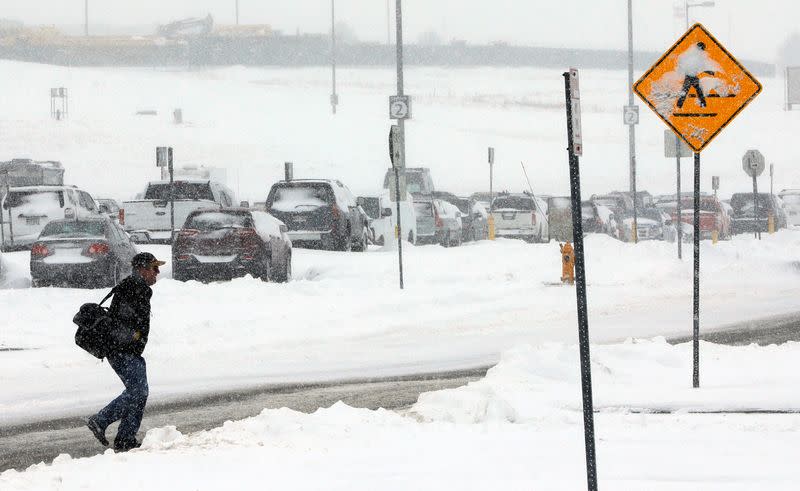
x,y
697,87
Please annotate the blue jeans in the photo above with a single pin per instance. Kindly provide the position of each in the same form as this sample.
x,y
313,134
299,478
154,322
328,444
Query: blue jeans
x,y
128,407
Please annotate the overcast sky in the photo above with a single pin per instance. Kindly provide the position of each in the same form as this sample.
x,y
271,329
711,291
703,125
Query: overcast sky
x,y
748,28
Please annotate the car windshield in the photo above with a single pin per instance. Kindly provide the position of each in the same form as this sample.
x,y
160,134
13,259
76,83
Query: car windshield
x,y
215,220
559,203
513,203
415,181
423,208
91,228
743,203
372,207
183,190
300,198
34,199
607,202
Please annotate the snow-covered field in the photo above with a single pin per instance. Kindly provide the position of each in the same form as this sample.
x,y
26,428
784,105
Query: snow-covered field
x,y
343,316
519,428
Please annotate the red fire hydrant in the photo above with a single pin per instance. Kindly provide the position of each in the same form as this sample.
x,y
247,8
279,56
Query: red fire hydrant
x,y
567,263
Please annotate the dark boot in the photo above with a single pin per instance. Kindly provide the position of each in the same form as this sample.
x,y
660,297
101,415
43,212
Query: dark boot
x,y
98,431
125,445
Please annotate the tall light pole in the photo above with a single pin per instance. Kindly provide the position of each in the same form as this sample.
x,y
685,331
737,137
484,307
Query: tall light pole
x,y
388,23
687,5
237,12
334,97
86,18
632,124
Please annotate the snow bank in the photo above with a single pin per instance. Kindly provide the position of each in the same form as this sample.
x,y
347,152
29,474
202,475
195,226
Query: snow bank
x,y
519,429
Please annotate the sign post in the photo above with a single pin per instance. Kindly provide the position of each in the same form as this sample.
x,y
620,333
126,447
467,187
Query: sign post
x,y
677,148
164,159
574,149
753,164
697,87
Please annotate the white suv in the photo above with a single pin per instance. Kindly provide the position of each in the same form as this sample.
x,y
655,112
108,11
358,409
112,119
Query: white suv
x,y
521,216
26,210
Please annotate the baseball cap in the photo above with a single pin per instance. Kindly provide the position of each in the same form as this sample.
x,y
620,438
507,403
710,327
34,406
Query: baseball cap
x,y
144,260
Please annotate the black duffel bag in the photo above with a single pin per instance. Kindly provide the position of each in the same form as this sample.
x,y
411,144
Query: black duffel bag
x,y
95,325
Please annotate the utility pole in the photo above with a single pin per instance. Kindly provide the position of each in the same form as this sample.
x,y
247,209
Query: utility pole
x,y
334,97
388,23
632,126
86,18
237,12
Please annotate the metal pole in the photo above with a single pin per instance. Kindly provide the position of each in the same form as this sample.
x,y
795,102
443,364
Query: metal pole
x,y
756,231
696,331
399,224
171,198
388,23
401,126
771,174
632,128
333,56
86,18
580,291
491,185
237,12
2,225
686,12
680,217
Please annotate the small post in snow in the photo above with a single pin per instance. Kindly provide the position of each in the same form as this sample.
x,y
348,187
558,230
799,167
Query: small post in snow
x,y
574,149
164,159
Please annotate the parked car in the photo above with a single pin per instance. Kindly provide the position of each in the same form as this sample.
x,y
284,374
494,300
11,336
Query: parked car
x,y
599,219
88,252
319,212
651,224
474,217
26,210
228,242
744,218
791,205
149,220
484,198
438,222
418,180
382,227
109,208
559,218
521,216
713,214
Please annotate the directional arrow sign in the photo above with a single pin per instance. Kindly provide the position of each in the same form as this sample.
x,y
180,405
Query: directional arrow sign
x,y
697,87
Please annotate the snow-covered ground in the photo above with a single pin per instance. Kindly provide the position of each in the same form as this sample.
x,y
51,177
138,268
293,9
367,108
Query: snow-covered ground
x,y
519,428
344,316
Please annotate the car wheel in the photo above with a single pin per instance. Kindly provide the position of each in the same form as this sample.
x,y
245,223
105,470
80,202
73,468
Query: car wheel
x,y
361,245
265,270
345,244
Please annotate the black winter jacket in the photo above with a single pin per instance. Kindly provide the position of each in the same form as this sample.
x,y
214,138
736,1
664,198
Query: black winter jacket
x,y
130,308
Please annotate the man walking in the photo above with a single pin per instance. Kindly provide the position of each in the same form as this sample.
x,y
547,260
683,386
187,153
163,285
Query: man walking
x,y
130,309
691,64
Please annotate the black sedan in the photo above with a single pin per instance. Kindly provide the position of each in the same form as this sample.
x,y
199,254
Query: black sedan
x,y
222,243
88,252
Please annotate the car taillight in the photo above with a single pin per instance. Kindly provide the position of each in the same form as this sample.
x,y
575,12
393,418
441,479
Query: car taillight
x,y
183,257
335,212
437,220
121,216
39,251
249,239
97,249
246,232
188,232
533,217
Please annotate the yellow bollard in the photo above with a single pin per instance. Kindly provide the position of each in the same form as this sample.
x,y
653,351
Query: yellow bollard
x,y
396,232
771,224
714,236
491,227
634,233
567,263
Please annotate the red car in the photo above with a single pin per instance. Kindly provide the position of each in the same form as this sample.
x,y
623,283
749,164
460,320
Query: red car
x,y
227,242
712,215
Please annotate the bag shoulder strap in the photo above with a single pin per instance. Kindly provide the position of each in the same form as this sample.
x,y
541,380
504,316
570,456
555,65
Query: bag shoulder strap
x,y
113,291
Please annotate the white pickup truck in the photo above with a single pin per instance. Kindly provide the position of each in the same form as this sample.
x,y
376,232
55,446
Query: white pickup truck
x,y
147,220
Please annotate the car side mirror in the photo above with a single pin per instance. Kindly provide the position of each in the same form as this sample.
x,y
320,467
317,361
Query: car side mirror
x,y
69,213
386,212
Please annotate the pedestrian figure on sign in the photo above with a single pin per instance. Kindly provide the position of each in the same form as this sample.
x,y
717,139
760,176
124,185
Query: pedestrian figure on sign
x,y
130,310
691,63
